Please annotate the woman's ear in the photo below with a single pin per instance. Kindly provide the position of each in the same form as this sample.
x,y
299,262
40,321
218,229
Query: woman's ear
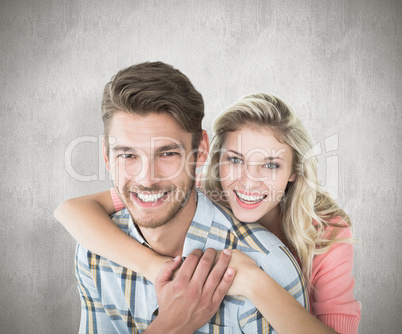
x,y
203,149
292,177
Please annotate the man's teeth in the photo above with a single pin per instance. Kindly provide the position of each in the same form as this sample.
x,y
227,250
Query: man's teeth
x,y
150,197
249,199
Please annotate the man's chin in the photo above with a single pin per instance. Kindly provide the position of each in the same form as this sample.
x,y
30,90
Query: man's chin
x,y
153,218
147,215
146,219
148,222
151,225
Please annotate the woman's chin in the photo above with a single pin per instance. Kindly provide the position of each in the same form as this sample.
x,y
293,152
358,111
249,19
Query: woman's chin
x,y
246,216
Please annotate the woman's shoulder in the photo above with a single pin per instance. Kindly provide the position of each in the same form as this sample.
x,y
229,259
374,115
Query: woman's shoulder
x,y
336,228
339,235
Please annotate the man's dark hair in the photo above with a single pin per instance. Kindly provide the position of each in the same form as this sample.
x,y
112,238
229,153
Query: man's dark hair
x,y
154,87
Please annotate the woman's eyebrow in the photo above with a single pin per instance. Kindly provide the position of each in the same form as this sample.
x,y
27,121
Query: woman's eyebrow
x,y
235,152
267,158
275,154
273,158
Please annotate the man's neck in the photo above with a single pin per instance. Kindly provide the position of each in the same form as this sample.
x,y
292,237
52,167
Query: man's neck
x,y
169,238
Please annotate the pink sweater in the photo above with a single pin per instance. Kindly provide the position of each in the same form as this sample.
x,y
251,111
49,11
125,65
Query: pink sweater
x,y
332,301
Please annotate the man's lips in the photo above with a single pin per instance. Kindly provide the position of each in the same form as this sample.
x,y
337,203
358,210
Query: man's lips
x,y
149,199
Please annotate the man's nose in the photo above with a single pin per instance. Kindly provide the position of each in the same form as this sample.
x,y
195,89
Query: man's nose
x,y
149,173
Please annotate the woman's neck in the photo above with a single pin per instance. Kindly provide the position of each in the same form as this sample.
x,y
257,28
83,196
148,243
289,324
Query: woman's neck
x,y
272,221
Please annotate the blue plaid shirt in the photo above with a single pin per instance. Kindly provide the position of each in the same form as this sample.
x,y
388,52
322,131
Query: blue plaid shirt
x,y
115,299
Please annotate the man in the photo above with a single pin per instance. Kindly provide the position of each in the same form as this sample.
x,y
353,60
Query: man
x,y
153,144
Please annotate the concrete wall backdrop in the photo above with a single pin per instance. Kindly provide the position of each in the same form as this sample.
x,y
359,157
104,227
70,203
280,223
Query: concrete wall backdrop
x,y
337,63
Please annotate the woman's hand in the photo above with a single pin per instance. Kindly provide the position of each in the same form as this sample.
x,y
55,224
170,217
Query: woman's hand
x,y
156,263
272,300
244,267
193,296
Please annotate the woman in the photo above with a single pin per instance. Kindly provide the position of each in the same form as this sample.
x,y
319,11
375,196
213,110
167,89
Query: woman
x,y
257,166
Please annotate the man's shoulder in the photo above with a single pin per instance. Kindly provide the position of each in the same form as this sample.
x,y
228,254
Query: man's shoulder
x,y
122,219
249,235
264,247
85,256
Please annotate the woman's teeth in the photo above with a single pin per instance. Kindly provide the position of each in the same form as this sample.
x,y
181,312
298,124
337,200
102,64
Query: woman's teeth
x,y
249,199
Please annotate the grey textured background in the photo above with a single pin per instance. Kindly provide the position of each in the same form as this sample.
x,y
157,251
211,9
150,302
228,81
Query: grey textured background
x,y
337,63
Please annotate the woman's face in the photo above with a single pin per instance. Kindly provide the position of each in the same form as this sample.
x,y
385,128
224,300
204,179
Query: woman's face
x,y
254,169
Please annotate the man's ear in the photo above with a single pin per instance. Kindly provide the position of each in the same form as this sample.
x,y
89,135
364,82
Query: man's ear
x,y
105,154
203,149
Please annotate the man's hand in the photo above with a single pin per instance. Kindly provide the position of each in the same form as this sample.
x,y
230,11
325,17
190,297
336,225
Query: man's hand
x,y
189,301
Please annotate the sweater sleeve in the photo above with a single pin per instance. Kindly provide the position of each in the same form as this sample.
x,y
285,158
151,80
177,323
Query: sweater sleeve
x,y
332,299
117,202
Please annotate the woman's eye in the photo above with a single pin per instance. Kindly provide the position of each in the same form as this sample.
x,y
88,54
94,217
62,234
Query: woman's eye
x,y
271,165
235,161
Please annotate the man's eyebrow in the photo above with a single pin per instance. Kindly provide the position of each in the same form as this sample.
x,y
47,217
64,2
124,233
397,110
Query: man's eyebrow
x,y
169,147
122,148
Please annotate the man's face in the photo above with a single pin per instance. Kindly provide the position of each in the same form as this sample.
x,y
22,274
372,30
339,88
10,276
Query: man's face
x,y
153,166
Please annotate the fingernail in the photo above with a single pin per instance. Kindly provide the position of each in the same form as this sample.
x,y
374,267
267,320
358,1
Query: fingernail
x,y
227,251
177,258
230,271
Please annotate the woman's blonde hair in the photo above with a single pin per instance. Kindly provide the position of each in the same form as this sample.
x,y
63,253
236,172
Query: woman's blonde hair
x,y
306,208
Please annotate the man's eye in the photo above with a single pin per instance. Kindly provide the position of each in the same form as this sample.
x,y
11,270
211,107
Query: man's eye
x,y
169,154
235,160
127,156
